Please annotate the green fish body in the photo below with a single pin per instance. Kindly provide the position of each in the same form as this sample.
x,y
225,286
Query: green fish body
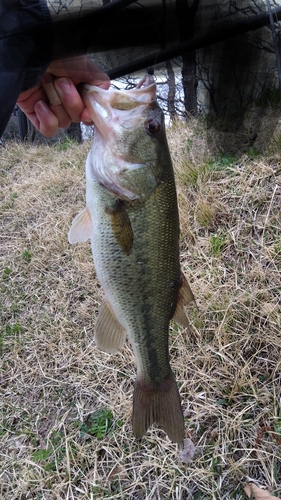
x,y
132,218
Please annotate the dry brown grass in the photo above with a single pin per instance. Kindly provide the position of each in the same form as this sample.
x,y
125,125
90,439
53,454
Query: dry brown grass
x,y
228,365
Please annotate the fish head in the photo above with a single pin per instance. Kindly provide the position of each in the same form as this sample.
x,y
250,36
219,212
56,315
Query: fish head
x,y
128,139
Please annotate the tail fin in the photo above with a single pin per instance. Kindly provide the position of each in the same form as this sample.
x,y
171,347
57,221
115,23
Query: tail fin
x,y
158,403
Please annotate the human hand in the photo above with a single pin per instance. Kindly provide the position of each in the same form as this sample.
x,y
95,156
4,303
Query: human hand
x,y
66,106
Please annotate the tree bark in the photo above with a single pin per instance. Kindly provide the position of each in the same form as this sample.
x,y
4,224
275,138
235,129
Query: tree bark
x,y
172,90
185,17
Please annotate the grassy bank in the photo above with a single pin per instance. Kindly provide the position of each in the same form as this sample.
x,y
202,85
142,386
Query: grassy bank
x,y
65,430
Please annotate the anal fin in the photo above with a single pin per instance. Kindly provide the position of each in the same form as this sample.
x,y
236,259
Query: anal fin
x,y
110,336
185,298
158,404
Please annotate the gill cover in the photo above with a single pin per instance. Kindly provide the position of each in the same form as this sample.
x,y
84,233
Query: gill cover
x,y
127,139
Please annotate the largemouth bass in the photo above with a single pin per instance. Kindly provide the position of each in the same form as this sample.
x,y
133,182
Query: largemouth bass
x,y
131,216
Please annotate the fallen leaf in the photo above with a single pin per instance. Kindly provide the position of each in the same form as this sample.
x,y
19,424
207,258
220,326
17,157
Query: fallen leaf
x,y
187,453
117,470
253,491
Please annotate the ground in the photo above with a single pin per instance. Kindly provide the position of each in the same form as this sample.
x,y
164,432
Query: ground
x,y
66,406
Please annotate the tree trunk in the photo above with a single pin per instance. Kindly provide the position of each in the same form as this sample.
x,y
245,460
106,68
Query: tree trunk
x,y
190,83
185,16
172,90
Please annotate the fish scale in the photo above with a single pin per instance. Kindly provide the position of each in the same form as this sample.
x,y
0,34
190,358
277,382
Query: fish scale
x,y
131,287
132,219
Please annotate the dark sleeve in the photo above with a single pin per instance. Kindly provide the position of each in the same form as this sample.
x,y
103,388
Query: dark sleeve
x,y
26,41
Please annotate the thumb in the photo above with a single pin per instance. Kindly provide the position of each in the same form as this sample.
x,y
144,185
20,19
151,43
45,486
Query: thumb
x,y
96,75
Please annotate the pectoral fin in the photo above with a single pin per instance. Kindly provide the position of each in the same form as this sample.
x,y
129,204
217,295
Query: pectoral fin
x,y
81,227
110,336
185,297
121,225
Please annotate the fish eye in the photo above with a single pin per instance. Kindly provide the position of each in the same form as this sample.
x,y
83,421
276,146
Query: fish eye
x,y
152,126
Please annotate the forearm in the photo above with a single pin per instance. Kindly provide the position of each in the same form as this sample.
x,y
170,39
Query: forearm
x,y
25,48
25,38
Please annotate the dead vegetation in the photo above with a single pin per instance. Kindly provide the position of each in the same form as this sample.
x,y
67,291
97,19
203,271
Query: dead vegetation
x,y
66,407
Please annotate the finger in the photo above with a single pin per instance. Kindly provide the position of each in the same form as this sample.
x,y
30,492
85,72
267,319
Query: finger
x,y
44,119
70,98
48,86
62,116
55,103
86,117
37,111
28,99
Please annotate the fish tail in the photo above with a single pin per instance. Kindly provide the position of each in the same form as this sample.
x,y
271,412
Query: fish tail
x,y
159,403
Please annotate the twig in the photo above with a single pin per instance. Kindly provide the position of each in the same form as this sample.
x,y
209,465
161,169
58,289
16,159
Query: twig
x,y
268,212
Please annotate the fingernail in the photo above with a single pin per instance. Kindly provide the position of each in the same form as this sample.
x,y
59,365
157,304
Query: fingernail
x,y
64,84
41,106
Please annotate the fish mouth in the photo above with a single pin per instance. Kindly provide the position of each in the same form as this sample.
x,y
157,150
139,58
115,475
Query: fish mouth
x,y
120,164
106,107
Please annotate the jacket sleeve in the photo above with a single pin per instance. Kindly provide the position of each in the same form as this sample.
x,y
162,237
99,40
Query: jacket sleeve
x,y
26,40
